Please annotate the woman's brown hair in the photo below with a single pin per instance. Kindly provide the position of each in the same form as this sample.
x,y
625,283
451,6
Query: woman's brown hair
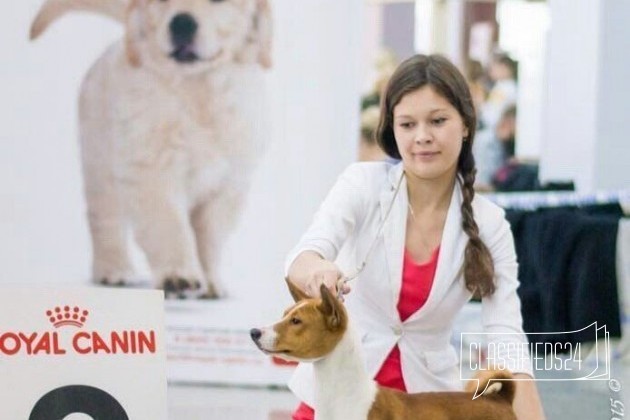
x,y
439,73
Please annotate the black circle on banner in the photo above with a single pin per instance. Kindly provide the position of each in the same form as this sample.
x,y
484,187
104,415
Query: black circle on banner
x,y
66,400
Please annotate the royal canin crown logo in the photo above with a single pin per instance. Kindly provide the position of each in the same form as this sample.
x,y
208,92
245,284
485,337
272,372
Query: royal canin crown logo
x,y
60,317
82,342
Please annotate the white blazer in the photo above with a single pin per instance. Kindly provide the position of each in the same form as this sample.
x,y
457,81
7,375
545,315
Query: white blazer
x,y
351,215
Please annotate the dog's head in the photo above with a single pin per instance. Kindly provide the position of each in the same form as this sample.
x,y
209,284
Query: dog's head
x,y
308,331
198,34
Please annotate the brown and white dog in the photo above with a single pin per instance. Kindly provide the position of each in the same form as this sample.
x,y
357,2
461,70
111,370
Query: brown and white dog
x,y
170,133
318,331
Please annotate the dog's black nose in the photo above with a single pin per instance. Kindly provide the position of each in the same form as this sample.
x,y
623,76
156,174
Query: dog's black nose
x,y
183,28
255,333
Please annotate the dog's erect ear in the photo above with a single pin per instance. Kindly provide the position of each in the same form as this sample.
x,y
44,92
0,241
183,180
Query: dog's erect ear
x,y
136,22
258,43
331,308
296,292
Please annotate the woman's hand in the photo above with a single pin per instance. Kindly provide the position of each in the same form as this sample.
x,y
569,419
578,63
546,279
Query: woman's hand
x,y
326,273
310,271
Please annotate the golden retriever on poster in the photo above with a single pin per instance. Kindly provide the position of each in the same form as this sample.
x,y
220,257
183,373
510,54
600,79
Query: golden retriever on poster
x,y
168,133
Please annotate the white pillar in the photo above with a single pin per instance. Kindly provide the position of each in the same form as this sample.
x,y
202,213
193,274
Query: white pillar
x,y
439,28
424,26
455,32
524,30
612,165
372,43
586,126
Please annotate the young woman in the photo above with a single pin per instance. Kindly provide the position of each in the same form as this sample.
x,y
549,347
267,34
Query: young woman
x,y
428,242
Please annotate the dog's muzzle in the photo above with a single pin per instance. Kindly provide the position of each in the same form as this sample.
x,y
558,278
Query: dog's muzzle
x,y
257,335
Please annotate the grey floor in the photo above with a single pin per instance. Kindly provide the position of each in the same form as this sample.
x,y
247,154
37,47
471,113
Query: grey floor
x,y
583,400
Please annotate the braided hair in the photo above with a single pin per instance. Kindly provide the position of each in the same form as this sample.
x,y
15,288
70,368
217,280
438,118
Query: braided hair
x,y
439,73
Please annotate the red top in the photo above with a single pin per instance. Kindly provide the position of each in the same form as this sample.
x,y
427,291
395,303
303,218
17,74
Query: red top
x,y
417,280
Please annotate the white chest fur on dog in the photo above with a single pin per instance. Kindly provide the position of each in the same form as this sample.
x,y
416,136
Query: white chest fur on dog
x,y
341,377
171,125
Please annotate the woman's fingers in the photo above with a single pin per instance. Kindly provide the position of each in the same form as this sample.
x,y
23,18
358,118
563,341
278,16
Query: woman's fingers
x,y
329,278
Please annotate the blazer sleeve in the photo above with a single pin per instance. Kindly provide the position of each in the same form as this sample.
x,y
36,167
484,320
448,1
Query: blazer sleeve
x,y
501,312
337,217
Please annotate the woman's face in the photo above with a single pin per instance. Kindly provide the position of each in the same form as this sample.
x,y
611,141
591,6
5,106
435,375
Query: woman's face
x,y
429,133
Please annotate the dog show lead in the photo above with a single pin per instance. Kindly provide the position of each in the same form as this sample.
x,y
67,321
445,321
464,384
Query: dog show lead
x,y
429,245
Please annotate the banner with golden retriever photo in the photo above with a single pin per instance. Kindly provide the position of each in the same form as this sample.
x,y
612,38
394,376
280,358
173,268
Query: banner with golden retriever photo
x,y
178,145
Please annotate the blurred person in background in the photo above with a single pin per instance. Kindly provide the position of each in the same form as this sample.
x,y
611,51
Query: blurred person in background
x,y
502,72
489,149
477,81
506,132
513,174
385,65
369,149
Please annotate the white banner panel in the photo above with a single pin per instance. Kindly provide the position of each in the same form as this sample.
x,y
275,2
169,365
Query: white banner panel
x,y
211,343
99,352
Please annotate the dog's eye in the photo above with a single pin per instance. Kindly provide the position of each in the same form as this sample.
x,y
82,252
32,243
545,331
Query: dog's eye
x,y
296,321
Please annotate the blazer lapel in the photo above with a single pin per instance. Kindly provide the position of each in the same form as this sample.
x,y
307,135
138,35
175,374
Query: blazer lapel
x,y
451,257
395,195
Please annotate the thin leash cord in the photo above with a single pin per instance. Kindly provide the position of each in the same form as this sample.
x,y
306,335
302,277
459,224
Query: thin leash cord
x,y
345,279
